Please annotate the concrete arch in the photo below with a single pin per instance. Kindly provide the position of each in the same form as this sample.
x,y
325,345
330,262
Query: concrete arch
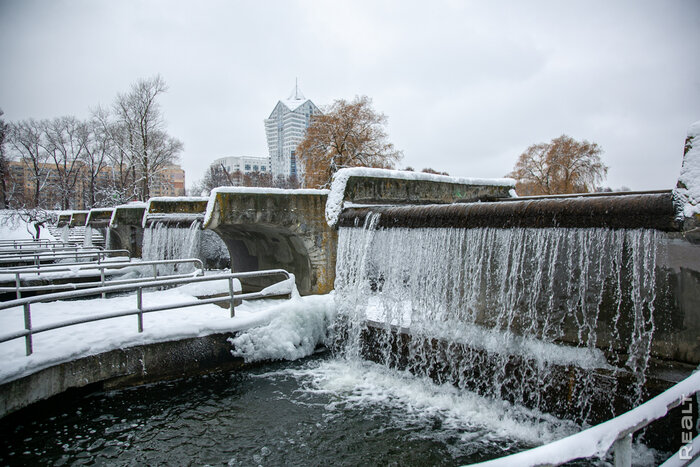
x,y
277,229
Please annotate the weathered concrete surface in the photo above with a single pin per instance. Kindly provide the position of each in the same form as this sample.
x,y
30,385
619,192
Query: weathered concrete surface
x,y
99,218
278,229
123,367
175,210
78,218
63,219
653,210
375,190
126,229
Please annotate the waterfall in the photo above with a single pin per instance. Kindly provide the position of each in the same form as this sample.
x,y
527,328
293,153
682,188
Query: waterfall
x,y
511,313
87,239
163,241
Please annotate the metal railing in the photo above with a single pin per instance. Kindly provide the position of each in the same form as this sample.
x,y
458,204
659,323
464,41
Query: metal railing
x,y
140,309
18,288
616,433
28,243
47,248
38,258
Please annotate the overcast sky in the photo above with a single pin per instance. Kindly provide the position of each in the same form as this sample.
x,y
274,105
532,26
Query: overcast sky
x,y
467,86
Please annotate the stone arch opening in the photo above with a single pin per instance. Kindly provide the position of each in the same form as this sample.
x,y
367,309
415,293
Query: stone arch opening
x,y
263,246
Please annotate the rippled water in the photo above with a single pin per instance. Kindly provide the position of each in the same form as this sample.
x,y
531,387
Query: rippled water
x,y
312,412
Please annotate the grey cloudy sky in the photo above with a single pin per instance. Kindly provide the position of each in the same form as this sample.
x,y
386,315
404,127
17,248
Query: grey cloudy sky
x,y
467,86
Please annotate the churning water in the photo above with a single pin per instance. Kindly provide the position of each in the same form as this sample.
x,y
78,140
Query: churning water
x,y
319,411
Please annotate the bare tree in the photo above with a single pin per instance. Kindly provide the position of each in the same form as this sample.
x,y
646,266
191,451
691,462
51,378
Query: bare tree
x,y
98,148
348,134
25,137
65,140
140,135
4,164
562,166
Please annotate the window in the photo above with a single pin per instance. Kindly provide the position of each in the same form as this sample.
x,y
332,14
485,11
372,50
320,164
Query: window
x,y
255,168
263,168
247,166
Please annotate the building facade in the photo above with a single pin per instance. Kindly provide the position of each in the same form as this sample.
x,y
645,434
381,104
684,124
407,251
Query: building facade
x,y
285,128
244,164
169,181
22,179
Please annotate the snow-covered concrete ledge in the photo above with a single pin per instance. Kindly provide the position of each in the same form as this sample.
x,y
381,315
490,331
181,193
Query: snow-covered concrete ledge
x,y
175,208
131,213
687,191
99,217
212,216
362,185
173,343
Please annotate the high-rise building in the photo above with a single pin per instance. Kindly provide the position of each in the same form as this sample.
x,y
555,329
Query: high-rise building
x,y
285,129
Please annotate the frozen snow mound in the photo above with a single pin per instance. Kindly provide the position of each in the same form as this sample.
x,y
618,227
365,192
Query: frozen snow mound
x,y
402,187
687,192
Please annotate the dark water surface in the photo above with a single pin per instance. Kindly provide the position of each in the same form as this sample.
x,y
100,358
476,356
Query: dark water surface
x,y
270,415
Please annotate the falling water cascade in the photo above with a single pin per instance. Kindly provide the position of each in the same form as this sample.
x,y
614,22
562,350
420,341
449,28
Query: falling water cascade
x,y
164,241
518,314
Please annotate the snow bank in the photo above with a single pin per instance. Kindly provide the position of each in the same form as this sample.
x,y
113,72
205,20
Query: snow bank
x,y
254,190
73,342
14,228
291,335
687,192
334,205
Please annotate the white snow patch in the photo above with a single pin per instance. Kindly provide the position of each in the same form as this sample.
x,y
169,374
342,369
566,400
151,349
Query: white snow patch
x,y
689,195
334,205
290,335
17,229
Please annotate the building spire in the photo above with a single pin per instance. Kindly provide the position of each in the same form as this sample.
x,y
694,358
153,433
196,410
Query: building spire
x,y
296,94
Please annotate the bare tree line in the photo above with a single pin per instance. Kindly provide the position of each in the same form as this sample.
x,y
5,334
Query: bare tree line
x,y
114,156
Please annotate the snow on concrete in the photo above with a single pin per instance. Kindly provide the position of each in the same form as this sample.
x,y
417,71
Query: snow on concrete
x,y
334,205
688,190
13,228
133,204
61,345
289,336
255,190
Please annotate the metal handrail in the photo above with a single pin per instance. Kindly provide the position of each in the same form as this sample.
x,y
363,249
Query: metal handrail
x,y
37,258
4,251
22,244
18,288
29,330
616,433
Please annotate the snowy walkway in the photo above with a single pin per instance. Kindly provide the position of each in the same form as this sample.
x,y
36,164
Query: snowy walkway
x,y
61,345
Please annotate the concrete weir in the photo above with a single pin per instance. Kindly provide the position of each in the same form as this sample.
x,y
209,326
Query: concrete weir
x,y
126,228
274,228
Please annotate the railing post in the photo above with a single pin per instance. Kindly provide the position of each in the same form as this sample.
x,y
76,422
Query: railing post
x,y
622,451
230,289
155,271
17,285
139,305
102,280
28,326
